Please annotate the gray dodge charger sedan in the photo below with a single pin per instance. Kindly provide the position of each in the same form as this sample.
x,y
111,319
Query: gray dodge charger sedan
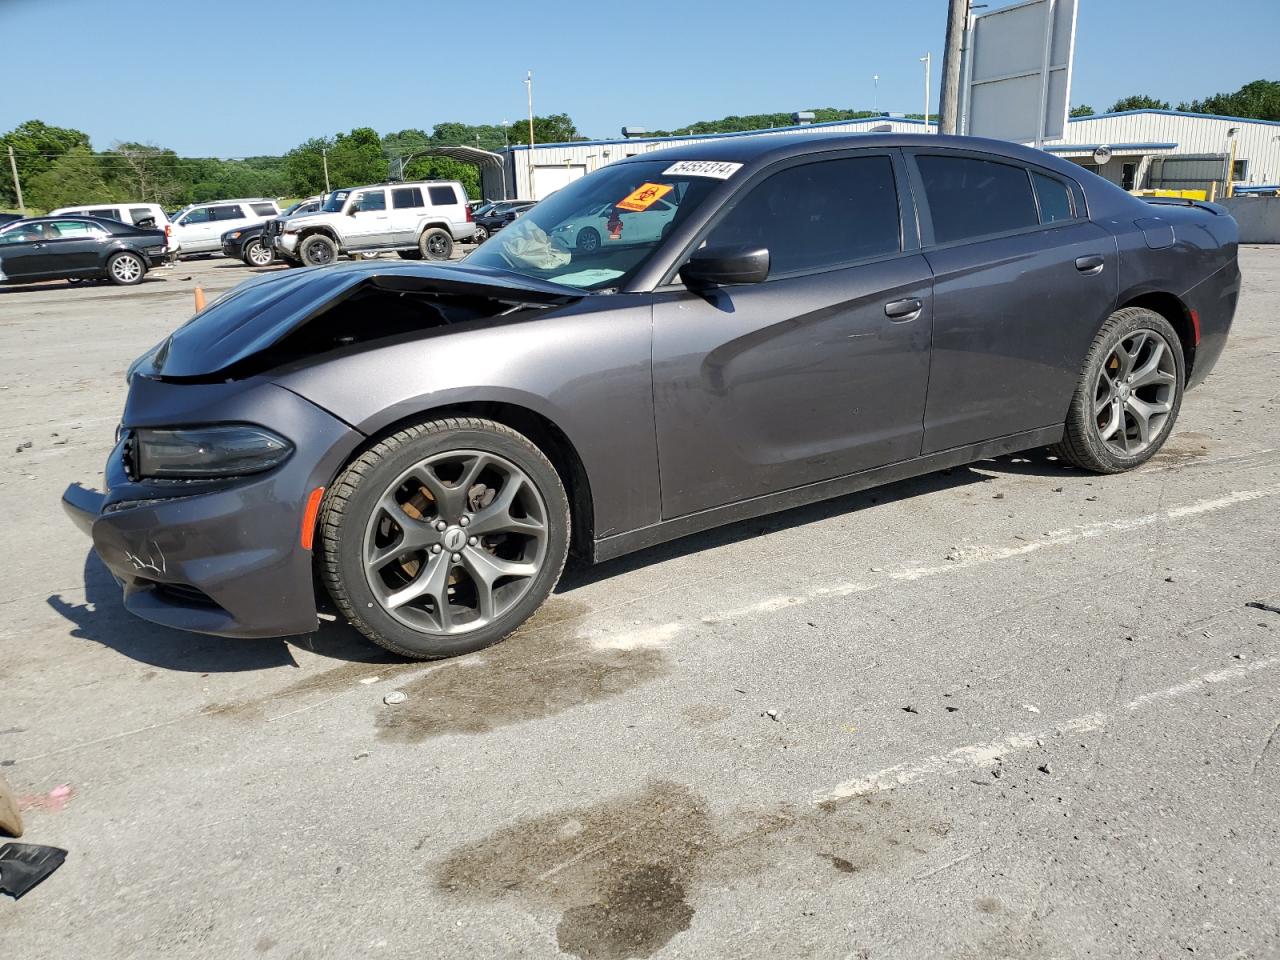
x,y
682,339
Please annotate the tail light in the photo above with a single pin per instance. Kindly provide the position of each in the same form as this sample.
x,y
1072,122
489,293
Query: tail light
x,y
168,234
470,218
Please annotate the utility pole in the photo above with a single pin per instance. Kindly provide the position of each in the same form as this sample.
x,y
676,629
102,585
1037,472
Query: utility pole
x,y
17,187
875,99
927,60
324,158
949,101
528,83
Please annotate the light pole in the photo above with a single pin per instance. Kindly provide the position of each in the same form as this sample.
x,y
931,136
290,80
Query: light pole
x,y
1231,163
528,84
875,97
927,60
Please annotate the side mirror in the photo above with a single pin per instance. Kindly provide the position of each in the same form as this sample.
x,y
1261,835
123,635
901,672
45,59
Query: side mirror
x,y
725,266
351,212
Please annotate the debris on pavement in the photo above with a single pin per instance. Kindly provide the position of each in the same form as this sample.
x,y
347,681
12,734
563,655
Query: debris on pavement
x,y
771,714
910,709
396,696
53,801
24,865
1045,768
1259,605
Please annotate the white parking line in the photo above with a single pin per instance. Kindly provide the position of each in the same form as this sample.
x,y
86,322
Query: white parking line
x,y
986,755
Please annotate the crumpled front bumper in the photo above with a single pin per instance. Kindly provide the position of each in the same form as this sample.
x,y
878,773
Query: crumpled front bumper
x,y
224,559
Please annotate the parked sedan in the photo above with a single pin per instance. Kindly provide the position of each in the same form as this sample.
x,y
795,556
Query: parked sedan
x,y
78,248
824,313
498,216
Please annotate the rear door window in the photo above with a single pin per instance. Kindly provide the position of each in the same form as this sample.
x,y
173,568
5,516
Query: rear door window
x,y
405,198
442,196
138,214
229,211
73,230
107,213
198,215
1053,198
264,209
818,216
971,198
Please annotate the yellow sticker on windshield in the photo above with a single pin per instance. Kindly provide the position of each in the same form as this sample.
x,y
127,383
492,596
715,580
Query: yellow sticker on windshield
x,y
644,197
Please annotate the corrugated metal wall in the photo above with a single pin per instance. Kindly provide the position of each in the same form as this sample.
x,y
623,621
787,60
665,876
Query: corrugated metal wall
x,y
583,158
1257,142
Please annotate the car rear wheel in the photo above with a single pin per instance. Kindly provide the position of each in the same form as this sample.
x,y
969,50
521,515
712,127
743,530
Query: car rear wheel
x,y
588,239
318,251
482,234
444,537
126,269
435,244
1129,394
257,255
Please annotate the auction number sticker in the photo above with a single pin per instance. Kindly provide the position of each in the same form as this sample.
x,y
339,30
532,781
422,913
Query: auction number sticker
x,y
717,169
644,197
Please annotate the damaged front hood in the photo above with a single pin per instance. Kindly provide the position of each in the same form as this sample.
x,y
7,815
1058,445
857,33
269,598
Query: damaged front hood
x,y
258,313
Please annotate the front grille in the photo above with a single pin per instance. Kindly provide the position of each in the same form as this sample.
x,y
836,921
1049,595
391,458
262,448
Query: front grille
x,y
181,593
270,229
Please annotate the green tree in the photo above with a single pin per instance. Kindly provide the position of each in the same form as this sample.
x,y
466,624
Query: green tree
x,y
1258,100
304,166
36,147
1139,101
144,171
74,178
556,128
1082,110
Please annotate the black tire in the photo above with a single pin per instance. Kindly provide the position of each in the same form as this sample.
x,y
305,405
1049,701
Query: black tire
x,y
588,239
126,269
435,244
481,235
318,250
1082,444
254,248
353,499
410,254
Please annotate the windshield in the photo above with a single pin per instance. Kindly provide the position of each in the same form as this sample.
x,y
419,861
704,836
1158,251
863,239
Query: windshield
x,y
599,230
335,201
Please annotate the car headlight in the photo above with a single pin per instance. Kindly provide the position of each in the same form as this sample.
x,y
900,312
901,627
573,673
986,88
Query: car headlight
x,y
236,235
191,453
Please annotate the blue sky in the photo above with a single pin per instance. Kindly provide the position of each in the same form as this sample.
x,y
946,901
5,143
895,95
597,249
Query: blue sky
x,y
233,77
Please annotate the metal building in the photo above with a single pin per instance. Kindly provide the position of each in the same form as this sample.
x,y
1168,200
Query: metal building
x,y
533,174
1137,149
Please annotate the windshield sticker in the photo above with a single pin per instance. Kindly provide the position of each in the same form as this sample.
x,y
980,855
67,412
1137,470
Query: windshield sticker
x,y
716,169
644,197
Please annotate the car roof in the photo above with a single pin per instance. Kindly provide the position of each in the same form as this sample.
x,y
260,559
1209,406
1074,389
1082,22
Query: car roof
x,y
766,147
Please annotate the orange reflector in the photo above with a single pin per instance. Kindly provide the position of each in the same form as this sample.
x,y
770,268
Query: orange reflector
x,y
309,517
1195,326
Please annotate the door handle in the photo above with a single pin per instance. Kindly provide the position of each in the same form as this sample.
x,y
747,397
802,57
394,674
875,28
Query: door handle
x,y
1090,265
900,311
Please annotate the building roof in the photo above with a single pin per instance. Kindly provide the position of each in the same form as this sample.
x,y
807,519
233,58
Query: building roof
x,y
1174,113
827,124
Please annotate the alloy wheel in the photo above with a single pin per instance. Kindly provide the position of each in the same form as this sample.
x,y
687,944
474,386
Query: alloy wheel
x,y
1134,394
455,541
126,268
259,255
436,245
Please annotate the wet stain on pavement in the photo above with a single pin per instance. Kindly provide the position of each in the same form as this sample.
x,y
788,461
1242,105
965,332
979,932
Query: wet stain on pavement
x,y
1183,446
333,679
543,669
624,873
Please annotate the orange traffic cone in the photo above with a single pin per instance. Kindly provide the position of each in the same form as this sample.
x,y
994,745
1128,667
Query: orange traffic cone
x,y
199,299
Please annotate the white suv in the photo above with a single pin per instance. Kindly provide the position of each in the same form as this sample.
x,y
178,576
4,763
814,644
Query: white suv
x,y
199,227
417,220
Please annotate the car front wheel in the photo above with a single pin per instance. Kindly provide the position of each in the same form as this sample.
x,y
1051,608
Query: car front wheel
x,y
318,251
482,234
126,269
444,537
257,255
1128,396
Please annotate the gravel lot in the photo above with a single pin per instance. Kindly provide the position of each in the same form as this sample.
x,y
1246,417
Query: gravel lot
x,y
1007,710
